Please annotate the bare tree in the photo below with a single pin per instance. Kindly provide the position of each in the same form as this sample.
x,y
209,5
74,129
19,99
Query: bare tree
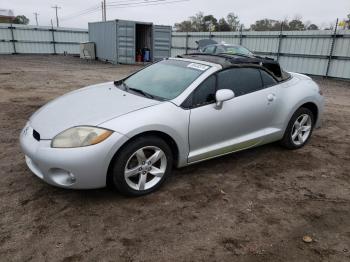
x,y
197,22
233,21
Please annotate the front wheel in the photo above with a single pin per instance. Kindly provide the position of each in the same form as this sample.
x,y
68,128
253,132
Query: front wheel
x,y
299,129
142,166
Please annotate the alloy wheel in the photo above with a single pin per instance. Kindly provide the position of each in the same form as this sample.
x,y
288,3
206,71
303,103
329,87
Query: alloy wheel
x,y
301,129
145,168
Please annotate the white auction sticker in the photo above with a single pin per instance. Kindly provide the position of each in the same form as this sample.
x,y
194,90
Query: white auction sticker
x,y
198,66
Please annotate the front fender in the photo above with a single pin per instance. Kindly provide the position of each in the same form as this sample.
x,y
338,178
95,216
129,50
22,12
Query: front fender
x,y
166,118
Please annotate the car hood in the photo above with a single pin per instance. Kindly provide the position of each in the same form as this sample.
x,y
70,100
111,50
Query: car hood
x,y
91,106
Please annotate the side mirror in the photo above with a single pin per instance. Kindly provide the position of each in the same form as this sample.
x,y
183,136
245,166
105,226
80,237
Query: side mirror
x,y
223,95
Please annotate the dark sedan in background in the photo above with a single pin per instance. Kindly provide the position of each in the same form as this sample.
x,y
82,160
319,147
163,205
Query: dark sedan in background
x,y
209,46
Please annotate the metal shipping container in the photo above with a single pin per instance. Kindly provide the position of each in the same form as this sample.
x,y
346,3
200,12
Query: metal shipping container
x,y
119,41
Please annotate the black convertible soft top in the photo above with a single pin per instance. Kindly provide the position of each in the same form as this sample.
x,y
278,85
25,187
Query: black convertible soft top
x,y
229,60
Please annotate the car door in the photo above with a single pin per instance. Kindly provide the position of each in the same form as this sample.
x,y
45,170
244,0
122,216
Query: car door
x,y
240,123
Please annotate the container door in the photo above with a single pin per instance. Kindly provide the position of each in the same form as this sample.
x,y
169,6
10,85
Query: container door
x,y
161,42
126,42
103,35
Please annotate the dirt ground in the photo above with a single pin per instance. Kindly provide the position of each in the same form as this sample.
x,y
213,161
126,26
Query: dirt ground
x,y
254,205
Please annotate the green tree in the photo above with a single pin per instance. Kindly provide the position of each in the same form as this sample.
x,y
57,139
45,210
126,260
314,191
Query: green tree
x,y
193,24
266,25
233,21
184,26
296,25
210,23
274,25
21,19
223,26
204,23
278,24
312,27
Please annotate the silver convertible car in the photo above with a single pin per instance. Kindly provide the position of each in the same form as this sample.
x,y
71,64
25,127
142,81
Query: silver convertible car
x,y
176,112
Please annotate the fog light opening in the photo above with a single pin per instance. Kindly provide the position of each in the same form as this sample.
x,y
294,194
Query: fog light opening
x,y
71,178
62,177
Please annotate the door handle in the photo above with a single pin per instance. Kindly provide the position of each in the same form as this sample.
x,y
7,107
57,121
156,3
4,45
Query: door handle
x,y
271,97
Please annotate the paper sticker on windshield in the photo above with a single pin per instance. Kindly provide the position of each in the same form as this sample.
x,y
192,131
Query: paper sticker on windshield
x,y
198,66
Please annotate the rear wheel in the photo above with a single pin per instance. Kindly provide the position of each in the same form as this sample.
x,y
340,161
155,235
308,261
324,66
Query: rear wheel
x,y
142,166
299,129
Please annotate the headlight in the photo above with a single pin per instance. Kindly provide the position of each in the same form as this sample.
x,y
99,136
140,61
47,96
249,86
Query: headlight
x,y
80,136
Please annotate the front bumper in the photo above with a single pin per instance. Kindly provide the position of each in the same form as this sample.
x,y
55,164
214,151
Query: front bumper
x,y
320,107
78,168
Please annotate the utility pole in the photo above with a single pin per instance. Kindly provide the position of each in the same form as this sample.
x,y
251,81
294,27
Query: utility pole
x,y
36,18
104,7
332,47
103,11
56,7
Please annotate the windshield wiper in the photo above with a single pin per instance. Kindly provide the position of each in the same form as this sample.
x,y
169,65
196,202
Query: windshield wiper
x,y
121,84
140,92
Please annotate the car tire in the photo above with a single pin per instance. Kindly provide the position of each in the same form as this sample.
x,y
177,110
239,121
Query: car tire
x,y
137,169
299,129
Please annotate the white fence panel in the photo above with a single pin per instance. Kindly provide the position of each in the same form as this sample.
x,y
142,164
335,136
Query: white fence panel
x,y
318,52
312,66
34,48
261,41
340,68
227,37
6,48
67,48
5,34
32,35
40,39
342,46
73,36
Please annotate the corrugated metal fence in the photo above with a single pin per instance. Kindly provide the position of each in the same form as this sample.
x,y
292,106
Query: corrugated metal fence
x,y
323,52
24,39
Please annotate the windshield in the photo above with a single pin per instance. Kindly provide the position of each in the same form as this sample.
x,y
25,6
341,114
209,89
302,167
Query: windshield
x,y
165,79
237,50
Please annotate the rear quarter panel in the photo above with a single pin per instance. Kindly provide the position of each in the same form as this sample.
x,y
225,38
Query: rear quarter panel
x,y
292,94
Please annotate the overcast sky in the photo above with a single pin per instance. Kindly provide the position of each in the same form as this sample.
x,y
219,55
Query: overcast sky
x,y
321,12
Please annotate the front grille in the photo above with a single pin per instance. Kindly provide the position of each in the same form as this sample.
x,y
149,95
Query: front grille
x,y
36,135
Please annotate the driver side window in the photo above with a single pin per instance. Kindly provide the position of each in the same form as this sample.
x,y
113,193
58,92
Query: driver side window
x,y
241,81
205,92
